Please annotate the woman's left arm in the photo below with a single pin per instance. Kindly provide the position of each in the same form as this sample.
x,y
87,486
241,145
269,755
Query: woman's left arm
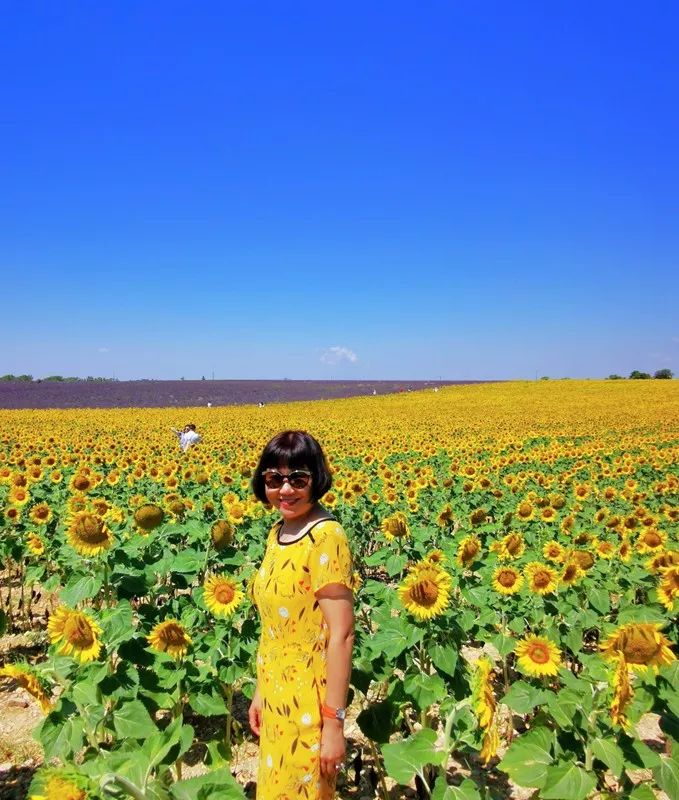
x,y
337,607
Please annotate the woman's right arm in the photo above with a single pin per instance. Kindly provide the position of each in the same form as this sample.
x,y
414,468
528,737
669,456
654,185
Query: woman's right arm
x,y
255,713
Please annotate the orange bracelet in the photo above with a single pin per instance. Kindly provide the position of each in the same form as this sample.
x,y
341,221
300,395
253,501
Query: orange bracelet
x,y
333,713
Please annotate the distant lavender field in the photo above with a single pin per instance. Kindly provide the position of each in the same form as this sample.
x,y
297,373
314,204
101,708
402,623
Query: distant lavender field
x,y
166,394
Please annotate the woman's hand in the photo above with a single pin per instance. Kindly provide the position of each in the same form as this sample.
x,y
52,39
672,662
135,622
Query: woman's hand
x,y
333,747
255,713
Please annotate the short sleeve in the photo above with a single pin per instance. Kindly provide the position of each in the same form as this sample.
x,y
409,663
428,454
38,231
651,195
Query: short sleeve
x,y
330,558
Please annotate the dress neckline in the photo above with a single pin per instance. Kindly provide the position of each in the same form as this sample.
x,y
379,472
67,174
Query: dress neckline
x,y
303,536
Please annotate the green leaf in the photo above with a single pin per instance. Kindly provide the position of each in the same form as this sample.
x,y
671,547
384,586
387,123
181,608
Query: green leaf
x,y
394,637
528,757
667,775
395,564
600,600
503,644
133,721
207,705
425,689
567,781
187,562
60,738
522,697
80,588
216,785
117,623
378,721
444,658
563,707
467,790
608,751
406,758
642,792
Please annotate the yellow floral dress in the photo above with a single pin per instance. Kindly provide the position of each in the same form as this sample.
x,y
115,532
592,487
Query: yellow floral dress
x,y
291,660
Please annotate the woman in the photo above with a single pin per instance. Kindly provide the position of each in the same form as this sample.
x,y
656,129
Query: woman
x,y
303,593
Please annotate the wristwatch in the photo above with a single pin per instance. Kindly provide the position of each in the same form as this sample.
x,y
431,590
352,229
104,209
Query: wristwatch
x,y
333,713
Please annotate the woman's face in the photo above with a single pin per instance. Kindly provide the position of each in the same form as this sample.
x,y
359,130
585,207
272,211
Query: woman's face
x,y
293,504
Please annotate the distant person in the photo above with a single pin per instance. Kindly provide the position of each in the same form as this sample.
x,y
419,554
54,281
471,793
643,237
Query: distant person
x,y
187,436
260,404
209,405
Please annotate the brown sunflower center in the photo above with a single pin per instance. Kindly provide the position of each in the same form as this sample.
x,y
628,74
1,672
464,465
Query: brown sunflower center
x,y
507,578
570,572
91,529
538,653
652,539
525,510
639,646
224,593
541,579
513,544
81,482
425,592
172,635
78,631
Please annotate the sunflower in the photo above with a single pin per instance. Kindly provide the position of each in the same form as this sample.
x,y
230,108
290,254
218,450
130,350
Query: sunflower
x,y
148,517
660,561
222,534
548,514
468,551
80,482
12,514
435,558
57,787
542,579
651,540
525,511
35,544
668,588
537,656
510,547
222,595
603,548
445,516
478,517
425,592
236,512
484,705
19,496
553,551
41,513
571,573
507,580
395,526
622,693
625,551
170,637
584,559
76,633
88,534
27,680
641,645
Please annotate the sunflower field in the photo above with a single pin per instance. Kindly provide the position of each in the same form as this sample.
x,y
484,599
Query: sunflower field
x,y
517,586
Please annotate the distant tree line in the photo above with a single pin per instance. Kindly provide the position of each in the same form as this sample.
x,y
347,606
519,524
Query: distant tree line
x,y
56,379
636,375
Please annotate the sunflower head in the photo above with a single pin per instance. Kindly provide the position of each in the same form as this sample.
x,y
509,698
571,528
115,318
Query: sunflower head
x,y
542,579
55,786
426,591
75,633
88,534
170,637
537,655
507,580
641,644
468,551
222,595
668,589
651,540
35,544
222,534
26,678
395,526
149,516
583,558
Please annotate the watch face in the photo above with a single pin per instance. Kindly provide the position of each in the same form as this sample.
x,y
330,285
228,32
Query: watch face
x,y
341,713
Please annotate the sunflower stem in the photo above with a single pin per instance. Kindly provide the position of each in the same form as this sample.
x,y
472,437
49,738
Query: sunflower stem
x,y
228,698
379,769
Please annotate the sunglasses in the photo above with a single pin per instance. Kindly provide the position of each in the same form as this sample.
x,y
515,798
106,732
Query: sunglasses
x,y
298,479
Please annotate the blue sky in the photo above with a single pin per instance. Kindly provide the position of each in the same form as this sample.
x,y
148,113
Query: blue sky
x,y
339,190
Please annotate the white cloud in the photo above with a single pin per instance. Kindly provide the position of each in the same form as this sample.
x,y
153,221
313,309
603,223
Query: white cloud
x,y
104,350
335,355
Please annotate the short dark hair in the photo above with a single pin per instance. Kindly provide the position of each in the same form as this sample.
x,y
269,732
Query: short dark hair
x,y
295,450
191,426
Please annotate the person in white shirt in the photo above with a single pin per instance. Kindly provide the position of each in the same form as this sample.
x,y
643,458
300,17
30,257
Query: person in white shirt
x,y
187,436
